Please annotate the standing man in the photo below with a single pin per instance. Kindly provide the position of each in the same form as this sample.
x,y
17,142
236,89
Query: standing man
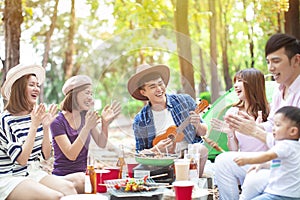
x,y
162,111
282,53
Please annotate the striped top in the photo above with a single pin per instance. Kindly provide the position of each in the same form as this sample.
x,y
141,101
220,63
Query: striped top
x,y
13,133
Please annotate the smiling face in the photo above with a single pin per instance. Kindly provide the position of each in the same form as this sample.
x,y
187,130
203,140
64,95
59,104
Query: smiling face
x,y
32,89
239,89
85,99
284,128
284,71
155,91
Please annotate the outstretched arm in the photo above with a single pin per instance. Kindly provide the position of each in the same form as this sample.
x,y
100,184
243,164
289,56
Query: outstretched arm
x,y
260,157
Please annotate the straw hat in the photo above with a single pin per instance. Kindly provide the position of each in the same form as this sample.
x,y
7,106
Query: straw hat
x,y
75,82
17,72
143,70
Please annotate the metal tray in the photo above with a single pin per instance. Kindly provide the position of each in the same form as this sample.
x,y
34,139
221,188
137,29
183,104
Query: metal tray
x,y
121,193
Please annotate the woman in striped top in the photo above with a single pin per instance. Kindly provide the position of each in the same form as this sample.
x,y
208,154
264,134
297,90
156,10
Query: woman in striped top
x,y
24,139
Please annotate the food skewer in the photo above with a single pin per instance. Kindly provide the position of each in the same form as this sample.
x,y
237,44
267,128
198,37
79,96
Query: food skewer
x,y
134,185
150,187
212,143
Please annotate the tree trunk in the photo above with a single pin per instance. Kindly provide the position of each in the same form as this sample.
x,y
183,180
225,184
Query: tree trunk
x,y
68,66
250,37
184,47
49,35
292,21
213,52
224,46
12,22
48,44
203,83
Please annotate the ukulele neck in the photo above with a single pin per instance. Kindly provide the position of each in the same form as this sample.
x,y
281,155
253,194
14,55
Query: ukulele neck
x,y
183,125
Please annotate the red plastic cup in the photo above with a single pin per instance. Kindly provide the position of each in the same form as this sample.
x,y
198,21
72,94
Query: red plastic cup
x,y
102,175
183,190
130,167
108,173
114,172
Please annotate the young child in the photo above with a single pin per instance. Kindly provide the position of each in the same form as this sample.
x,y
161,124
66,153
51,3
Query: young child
x,y
284,182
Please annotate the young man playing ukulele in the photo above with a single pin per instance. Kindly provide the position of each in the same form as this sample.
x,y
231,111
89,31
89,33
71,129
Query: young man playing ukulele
x,y
162,112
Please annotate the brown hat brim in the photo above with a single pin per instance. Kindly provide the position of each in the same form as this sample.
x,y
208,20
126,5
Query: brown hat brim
x,y
133,86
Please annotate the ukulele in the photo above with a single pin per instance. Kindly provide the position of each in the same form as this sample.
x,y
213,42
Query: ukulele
x,y
176,133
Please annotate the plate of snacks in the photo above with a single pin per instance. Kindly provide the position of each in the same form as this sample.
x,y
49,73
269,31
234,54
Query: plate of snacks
x,y
134,187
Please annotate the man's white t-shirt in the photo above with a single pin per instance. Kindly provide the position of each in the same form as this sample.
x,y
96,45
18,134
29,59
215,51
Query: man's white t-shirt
x,y
162,121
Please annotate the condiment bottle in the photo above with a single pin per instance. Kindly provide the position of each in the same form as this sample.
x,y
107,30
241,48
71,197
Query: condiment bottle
x,y
193,157
122,164
90,181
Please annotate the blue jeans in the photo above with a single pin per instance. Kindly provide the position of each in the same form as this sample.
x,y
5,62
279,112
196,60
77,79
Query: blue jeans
x,y
268,196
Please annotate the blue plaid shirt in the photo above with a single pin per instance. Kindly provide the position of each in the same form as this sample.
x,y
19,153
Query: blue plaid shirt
x,y
179,105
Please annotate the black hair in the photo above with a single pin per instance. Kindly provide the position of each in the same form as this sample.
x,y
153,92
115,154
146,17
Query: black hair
x,y
292,113
290,43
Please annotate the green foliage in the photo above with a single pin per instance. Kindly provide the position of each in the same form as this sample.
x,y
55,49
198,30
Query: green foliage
x,y
132,107
108,45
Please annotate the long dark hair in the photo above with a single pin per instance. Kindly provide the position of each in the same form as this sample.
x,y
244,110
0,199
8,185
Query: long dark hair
x,y
255,92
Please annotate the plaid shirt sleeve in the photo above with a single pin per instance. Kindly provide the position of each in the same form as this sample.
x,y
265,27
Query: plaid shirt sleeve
x,y
182,104
144,130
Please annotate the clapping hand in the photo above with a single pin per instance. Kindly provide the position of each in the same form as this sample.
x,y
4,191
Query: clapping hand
x,y
110,112
220,126
37,114
242,123
50,115
92,119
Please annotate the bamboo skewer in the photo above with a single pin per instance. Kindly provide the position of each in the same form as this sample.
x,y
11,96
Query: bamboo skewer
x,y
159,175
160,186
150,187
212,144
